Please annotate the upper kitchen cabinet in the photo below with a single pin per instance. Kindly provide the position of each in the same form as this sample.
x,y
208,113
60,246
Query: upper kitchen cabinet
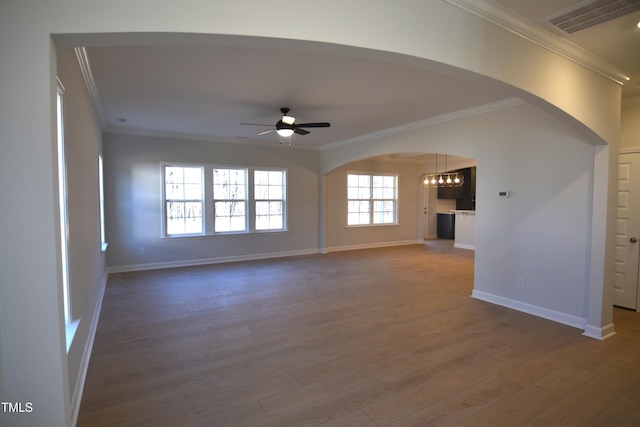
x,y
466,194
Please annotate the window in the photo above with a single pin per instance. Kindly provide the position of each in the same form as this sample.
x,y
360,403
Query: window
x,y
371,199
229,200
269,194
183,200
103,237
71,324
62,204
214,199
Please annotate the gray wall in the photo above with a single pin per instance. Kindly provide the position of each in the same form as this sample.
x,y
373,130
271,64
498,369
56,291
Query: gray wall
x,y
34,363
83,142
133,190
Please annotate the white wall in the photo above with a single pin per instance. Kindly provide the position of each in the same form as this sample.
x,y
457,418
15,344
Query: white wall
x,y
542,231
133,191
630,127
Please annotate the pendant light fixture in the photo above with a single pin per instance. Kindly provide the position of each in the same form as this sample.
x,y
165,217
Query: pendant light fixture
x,y
442,179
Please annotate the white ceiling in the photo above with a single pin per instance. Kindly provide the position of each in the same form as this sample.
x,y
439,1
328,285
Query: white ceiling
x,y
208,91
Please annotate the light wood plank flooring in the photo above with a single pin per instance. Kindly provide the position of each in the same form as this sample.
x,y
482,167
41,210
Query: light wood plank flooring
x,y
380,337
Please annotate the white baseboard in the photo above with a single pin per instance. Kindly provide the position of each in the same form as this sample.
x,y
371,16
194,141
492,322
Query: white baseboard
x,y
252,257
599,333
464,246
545,313
76,397
218,260
370,245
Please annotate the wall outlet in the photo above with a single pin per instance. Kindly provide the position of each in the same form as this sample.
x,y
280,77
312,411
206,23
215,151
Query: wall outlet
x,y
521,282
141,251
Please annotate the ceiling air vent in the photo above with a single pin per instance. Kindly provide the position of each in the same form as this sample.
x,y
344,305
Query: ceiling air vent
x,y
592,13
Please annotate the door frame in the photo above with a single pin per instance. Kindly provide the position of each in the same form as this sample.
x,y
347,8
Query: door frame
x,y
620,153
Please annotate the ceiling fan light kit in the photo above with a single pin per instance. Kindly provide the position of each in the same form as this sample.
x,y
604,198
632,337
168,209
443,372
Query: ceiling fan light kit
x,y
285,132
286,126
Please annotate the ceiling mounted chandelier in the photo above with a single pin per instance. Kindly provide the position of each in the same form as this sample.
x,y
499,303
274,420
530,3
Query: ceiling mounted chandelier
x,y
442,179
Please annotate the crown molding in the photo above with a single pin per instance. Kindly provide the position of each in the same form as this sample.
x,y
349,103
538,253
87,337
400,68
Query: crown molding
x,y
85,68
537,34
467,112
204,138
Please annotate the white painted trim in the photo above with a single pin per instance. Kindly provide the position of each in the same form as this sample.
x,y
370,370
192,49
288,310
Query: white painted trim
x,y
599,333
631,150
467,112
76,397
371,245
252,257
218,260
545,313
204,138
87,75
464,246
536,33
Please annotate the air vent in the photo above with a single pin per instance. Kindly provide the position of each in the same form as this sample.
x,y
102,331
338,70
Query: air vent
x,y
591,14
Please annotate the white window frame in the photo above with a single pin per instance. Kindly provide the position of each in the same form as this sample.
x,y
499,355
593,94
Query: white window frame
x,y
103,236
62,202
71,324
271,199
222,197
165,200
371,200
209,199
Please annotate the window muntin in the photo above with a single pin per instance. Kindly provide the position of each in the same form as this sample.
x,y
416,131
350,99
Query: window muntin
x,y
229,200
372,199
183,200
269,196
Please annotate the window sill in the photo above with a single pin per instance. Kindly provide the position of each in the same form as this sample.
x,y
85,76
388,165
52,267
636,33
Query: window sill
x,y
225,234
70,332
395,224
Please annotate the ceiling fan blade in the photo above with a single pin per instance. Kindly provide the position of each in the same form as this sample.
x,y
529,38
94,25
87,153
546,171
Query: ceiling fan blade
x,y
254,124
265,132
300,131
313,125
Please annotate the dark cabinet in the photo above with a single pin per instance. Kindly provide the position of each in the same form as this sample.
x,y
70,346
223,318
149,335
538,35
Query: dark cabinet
x,y
465,195
467,201
446,226
450,192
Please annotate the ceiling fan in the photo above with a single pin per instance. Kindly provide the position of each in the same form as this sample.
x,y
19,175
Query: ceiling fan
x,y
287,125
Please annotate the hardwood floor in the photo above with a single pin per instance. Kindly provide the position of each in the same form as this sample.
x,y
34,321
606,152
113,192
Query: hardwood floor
x,y
380,337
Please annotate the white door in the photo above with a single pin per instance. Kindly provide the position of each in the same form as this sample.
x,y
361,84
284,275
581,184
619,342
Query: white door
x,y
430,213
627,232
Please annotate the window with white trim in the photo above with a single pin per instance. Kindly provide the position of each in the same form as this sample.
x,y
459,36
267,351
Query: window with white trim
x,y
62,203
204,199
229,200
269,194
372,199
103,237
183,194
